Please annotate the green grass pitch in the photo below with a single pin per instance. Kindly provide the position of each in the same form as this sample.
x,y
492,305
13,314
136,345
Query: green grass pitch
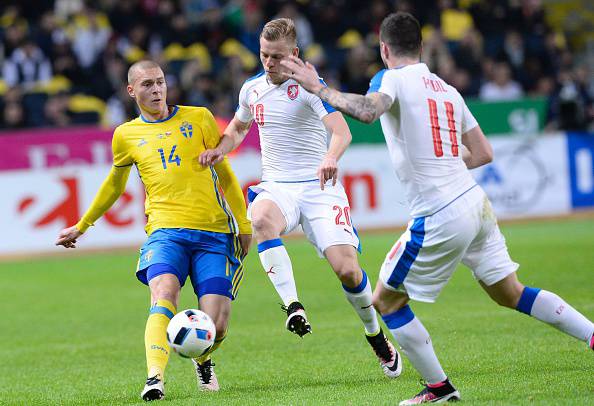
x,y
71,332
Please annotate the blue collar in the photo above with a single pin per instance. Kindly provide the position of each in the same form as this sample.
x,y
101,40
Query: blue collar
x,y
175,109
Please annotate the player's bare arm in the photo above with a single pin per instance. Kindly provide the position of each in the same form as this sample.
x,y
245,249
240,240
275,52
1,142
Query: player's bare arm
x,y
341,138
232,137
112,188
364,108
477,150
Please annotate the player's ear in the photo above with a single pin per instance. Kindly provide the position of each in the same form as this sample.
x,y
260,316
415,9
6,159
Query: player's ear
x,y
130,90
384,50
296,52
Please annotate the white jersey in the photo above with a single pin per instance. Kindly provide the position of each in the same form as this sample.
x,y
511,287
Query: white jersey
x,y
423,130
293,138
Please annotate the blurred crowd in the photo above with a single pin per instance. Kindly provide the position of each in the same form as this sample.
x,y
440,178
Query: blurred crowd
x,y
64,62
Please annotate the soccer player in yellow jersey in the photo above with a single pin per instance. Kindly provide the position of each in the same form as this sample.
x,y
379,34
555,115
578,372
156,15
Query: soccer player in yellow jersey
x,y
196,216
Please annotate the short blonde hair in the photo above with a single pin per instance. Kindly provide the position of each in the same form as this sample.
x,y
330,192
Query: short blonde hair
x,y
281,28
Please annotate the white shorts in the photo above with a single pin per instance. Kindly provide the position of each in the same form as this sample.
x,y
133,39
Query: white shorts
x,y
323,214
423,260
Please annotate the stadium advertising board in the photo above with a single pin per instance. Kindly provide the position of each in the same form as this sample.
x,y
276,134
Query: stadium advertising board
x,y
49,190
529,176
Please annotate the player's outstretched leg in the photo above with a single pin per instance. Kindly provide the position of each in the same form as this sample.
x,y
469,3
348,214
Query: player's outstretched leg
x,y
277,264
153,389
157,349
360,297
357,290
268,222
205,375
389,358
164,289
296,319
416,344
204,367
542,305
218,306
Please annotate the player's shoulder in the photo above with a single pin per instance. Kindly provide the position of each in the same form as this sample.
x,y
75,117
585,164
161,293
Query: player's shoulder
x,y
127,127
194,112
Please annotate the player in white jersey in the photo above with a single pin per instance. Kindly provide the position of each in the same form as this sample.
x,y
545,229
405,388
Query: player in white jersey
x,y
433,138
299,185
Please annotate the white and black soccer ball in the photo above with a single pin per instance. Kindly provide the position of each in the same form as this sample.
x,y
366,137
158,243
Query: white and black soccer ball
x,y
191,333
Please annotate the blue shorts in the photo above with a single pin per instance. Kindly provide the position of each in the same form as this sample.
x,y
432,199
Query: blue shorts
x,y
210,259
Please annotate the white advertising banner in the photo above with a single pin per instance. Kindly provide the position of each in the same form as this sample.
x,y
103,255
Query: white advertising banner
x,y
527,178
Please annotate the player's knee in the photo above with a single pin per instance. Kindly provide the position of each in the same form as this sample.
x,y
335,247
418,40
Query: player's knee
x,y
263,226
165,292
350,275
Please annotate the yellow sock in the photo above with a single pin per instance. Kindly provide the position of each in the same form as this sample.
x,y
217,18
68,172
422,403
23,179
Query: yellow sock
x,y
155,337
217,344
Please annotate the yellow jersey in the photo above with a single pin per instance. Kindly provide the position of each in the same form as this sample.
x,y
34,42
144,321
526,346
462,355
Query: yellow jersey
x,y
180,193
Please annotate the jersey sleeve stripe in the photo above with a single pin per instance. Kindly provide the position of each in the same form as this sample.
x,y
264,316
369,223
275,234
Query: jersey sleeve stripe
x,y
376,81
327,106
231,222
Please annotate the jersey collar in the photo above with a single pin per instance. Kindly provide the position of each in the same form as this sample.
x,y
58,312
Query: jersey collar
x,y
175,109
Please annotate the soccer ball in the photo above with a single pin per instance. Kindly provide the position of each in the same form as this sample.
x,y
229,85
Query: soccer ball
x,y
191,333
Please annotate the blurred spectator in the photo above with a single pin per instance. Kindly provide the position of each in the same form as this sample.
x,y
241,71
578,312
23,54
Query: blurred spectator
x,y
56,111
48,34
13,27
202,92
514,49
354,76
120,107
201,11
13,116
502,86
303,26
469,52
80,51
571,104
66,64
27,66
89,32
253,21
454,21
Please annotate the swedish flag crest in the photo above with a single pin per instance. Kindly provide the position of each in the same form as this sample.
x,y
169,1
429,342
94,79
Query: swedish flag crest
x,y
186,129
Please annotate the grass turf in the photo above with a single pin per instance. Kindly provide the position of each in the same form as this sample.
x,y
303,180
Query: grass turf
x,y
72,333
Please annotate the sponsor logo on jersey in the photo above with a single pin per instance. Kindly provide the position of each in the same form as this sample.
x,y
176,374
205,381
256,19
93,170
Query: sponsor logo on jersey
x,y
164,135
148,256
142,142
186,129
293,91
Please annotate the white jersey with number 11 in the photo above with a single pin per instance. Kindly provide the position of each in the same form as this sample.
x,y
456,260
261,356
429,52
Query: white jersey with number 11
x,y
423,131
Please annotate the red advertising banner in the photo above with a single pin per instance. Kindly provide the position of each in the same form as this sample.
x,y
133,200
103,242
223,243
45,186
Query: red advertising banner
x,y
52,148
75,146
